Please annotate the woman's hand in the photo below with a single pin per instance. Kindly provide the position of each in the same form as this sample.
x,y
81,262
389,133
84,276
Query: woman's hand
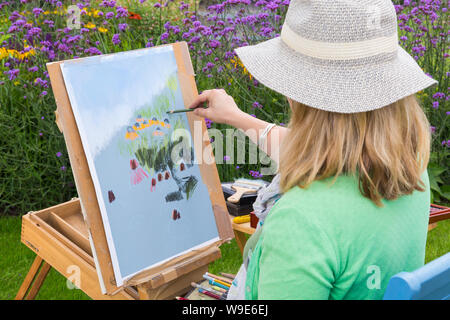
x,y
221,107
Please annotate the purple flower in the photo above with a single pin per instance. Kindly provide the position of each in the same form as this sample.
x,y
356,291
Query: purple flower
x,y
43,93
12,74
109,15
208,123
164,36
116,39
106,3
42,83
12,29
121,12
176,29
439,95
256,104
272,6
214,43
93,51
432,129
37,12
63,168
157,5
435,104
226,158
34,31
255,174
123,26
58,154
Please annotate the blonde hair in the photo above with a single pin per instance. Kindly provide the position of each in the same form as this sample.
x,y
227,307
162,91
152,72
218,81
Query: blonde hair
x,y
386,149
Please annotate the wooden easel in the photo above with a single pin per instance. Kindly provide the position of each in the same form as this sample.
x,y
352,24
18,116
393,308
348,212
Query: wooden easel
x,y
63,236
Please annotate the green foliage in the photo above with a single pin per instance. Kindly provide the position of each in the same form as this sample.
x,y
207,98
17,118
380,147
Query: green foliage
x,y
32,176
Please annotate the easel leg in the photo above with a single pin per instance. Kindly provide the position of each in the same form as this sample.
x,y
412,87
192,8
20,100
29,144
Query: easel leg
x,y
34,279
143,293
240,239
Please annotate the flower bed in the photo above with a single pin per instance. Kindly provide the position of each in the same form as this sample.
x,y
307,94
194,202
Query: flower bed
x,y
34,167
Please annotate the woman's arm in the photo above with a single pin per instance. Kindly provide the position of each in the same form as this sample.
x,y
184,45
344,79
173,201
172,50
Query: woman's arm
x,y
223,109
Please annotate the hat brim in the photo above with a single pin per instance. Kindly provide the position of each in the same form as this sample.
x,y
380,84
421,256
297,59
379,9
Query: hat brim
x,y
340,87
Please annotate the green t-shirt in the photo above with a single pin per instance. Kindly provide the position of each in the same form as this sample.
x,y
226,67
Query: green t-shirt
x,y
330,242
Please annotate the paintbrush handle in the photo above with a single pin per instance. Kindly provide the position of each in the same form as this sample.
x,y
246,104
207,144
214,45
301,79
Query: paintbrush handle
x,y
185,110
240,191
180,111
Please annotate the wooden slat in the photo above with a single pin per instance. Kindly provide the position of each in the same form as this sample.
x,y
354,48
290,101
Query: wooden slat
x,y
29,278
63,209
77,222
174,288
82,176
154,276
38,281
210,176
63,239
71,232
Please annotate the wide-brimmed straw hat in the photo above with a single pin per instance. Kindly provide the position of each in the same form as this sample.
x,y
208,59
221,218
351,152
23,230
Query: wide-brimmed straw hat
x,y
340,56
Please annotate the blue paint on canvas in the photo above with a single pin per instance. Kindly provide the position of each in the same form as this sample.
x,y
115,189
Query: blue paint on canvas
x,y
156,207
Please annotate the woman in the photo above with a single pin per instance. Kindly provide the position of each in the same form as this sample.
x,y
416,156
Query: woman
x,y
352,165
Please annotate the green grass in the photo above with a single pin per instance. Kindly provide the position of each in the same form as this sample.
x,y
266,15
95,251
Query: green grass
x,y
16,259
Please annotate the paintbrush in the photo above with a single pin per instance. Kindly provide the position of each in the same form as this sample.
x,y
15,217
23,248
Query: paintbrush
x,y
244,186
186,110
196,285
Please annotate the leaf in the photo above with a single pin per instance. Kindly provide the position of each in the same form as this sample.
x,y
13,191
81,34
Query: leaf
x,y
446,191
5,37
433,181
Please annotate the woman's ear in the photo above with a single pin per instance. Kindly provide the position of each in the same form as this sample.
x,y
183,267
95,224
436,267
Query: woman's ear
x,y
290,102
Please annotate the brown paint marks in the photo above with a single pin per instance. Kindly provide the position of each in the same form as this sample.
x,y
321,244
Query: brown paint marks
x,y
111,196
133,164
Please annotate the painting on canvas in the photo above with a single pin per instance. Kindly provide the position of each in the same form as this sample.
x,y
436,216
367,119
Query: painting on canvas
x,y
153,202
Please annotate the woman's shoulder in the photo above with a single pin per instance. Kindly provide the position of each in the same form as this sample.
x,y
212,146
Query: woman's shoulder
x,y
322,195
333,202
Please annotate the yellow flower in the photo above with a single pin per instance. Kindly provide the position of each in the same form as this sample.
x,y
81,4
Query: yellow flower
x,y
95,13
101,29
89,25
16,83
6,53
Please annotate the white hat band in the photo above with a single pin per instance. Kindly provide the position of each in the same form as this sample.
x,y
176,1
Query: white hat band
x,y
338,50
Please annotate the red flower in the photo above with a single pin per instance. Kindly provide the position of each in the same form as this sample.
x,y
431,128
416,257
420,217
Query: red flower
x,y
134,16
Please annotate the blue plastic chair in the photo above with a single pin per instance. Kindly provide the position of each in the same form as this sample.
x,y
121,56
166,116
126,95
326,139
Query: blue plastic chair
x,y
430,282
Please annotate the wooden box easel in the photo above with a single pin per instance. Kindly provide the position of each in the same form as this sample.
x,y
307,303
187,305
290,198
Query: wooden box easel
x,y
63,236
